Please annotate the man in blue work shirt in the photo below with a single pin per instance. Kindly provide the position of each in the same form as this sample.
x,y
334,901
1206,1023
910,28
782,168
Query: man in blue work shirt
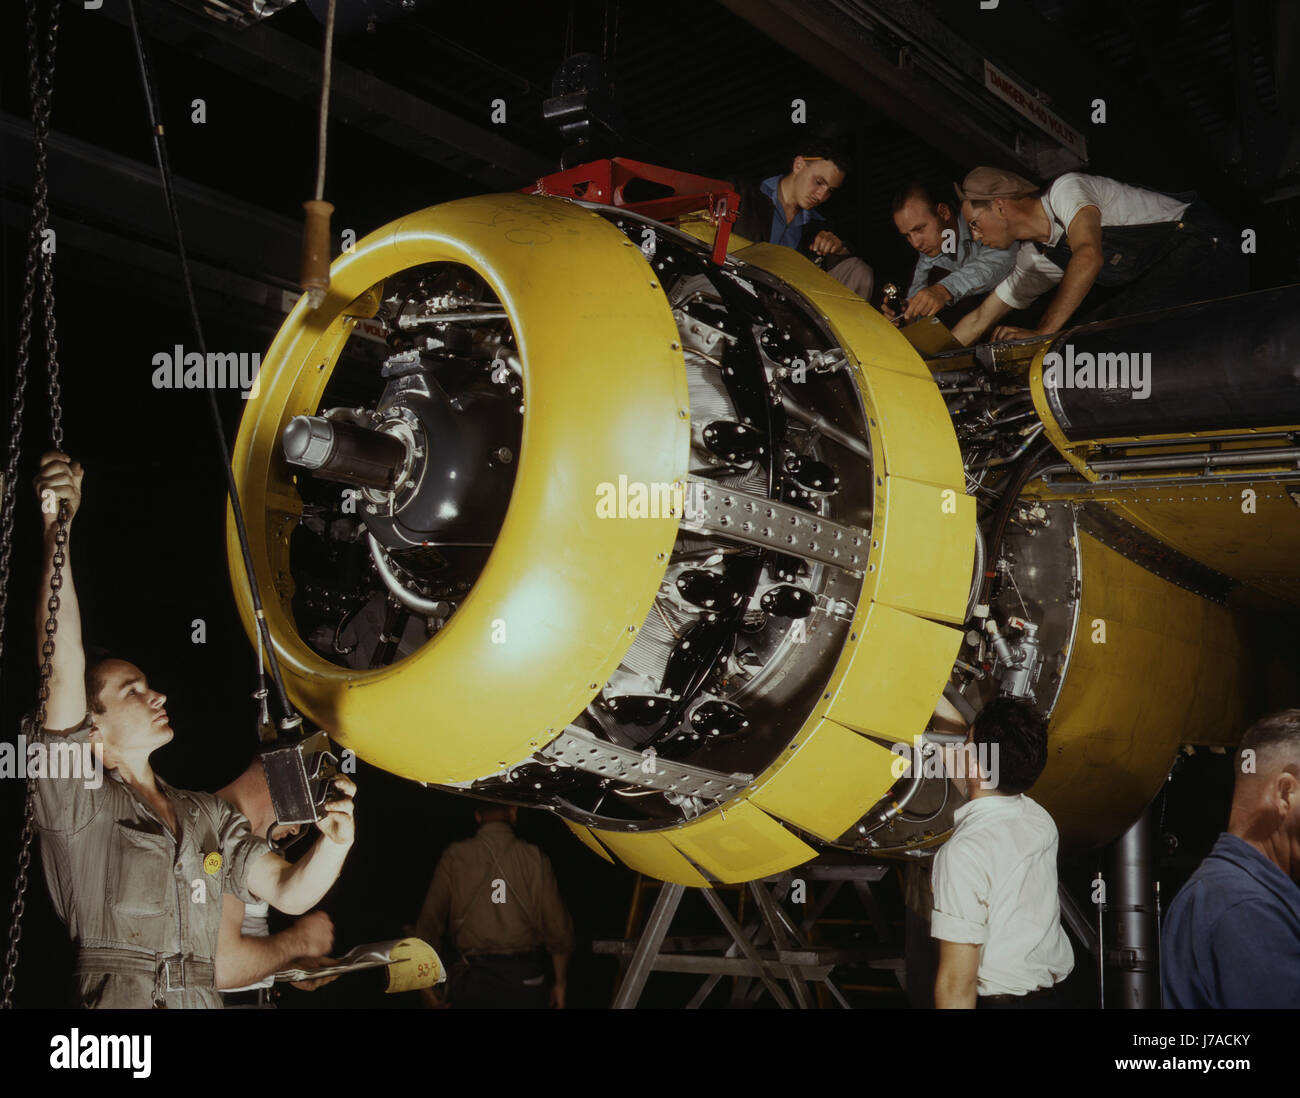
x,y
783,210
1232,935
953,270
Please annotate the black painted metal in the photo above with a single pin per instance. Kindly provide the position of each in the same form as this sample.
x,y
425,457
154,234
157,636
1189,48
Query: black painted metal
x,y
1214,366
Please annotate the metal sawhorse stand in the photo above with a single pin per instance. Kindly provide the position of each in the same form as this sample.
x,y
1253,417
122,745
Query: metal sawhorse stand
x,y
765,953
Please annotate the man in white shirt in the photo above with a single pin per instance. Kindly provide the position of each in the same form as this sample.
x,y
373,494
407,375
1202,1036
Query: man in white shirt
x,y
1085,230
996,912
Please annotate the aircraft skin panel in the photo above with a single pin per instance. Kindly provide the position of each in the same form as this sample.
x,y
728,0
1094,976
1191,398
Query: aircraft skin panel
x,y
927,548
819,788
740,842
588,839
1115,734
899,664
1254,538
653,854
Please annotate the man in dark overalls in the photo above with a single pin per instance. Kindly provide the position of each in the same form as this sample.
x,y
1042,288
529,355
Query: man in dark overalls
x,y
1155,250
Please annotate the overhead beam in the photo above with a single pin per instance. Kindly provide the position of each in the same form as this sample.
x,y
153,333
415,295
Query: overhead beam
x,y
271,59
954,115
111,206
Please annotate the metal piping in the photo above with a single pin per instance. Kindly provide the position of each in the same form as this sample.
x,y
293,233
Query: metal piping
x,y
1211,459
814,420
429,607
977,577
1133,958
1020,398
406,322
1014,455
1111,484
1191,440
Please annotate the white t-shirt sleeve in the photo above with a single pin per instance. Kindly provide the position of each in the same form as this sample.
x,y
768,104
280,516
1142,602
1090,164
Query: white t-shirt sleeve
x,y
1031,277
961,897
1070,194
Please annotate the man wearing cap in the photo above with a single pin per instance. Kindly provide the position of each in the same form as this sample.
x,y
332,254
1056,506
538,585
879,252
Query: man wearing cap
x,y
951,268
1160,250
783,210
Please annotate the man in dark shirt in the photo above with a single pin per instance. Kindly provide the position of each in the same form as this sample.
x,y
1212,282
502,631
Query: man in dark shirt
x,y
783,210
1232,935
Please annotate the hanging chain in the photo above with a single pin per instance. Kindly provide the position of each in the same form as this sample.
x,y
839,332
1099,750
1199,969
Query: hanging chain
x,y
40,268
19,905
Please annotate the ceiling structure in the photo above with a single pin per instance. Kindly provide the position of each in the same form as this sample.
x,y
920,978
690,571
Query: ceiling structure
x,y
1196,96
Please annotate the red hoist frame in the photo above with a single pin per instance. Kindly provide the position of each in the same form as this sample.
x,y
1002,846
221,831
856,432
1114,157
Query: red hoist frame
x,y
604,181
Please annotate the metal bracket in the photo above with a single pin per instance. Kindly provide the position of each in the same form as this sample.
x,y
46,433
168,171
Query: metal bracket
x,y
770,524
578,748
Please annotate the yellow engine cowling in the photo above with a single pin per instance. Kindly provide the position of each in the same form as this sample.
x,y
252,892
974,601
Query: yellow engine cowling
x,y
565,593
571,589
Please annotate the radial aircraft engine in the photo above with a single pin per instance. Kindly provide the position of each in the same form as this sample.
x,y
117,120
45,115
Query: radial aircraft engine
x,y
547,507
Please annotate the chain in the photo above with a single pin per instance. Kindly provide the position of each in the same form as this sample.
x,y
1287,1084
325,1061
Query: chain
x,y
40,268
19,905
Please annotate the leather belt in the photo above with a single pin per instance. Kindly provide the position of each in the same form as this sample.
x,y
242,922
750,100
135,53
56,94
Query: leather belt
x,y
1039,993
525,955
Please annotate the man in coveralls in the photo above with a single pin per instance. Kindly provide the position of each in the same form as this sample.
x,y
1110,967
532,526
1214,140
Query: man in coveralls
x,y
135,867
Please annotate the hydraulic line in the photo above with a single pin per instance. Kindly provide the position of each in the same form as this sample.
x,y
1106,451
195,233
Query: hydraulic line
x,y
290,718
1024,473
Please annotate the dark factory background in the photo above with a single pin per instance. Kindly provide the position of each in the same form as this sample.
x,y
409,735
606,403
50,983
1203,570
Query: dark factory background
x,y
1199,96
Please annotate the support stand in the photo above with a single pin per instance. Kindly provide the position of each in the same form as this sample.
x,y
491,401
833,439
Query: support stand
x,y
768,953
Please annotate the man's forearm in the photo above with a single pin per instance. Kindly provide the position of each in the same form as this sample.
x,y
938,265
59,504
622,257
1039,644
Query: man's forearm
x,y
67,703
975,324
302,884
560,962
255,958
1080,274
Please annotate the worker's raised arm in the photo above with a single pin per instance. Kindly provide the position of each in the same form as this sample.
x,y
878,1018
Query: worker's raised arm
x,y
59,479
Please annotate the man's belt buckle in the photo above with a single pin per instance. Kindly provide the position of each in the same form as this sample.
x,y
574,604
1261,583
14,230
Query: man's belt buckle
x,y
179,962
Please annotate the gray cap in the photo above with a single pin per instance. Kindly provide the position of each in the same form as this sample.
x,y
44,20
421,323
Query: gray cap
x,y
984,184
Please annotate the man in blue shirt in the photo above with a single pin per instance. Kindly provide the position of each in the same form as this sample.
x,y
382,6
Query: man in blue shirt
x,y
951,266
783,210
1232,935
